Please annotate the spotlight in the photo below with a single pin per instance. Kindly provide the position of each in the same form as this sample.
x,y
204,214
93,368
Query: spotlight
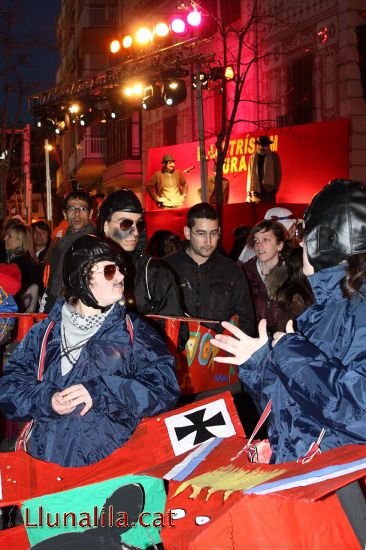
x,y
222,73
127,41
161,30
194,18
61,124
133,90
152,97
178,26
174,91
45,123
74,108
115,46
143,36
88,117
202,77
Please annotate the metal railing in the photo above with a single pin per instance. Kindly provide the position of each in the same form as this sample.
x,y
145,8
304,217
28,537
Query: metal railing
x,y
98,16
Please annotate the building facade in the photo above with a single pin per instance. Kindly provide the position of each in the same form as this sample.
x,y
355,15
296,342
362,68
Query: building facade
x,y
303,61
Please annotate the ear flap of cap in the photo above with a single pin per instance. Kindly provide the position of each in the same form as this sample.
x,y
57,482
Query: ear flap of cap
x,y
322,247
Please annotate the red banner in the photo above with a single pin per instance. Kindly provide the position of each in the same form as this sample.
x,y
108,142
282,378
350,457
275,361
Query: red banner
x,y
311,155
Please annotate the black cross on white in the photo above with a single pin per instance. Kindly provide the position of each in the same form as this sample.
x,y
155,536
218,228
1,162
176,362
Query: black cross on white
x,y
199,425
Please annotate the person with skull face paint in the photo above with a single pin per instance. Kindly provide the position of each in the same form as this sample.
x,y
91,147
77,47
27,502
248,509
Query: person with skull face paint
x,y
150,285
103,371
316,377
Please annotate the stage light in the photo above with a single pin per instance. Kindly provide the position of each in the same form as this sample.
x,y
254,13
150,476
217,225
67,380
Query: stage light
x,y
152,97
174,92
143,36
161,30
127,41
229,73
45,123
115,46
203,78
74,108
194,18
61,124
133,90
88,117
128,91
178,26
222,73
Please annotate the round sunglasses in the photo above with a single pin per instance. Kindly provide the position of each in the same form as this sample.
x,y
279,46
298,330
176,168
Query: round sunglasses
x,y
127,224
109,271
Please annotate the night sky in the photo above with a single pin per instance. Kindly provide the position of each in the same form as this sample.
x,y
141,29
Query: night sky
x,y
35,29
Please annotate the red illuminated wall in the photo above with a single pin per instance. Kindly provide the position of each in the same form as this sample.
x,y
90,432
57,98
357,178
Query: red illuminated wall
x,y
310,154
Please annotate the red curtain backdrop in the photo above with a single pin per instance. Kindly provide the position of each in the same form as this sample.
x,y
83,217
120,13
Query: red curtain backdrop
x,y
310,155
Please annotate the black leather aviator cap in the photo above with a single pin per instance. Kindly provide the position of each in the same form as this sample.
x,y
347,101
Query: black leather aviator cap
x,y
89,249
335,223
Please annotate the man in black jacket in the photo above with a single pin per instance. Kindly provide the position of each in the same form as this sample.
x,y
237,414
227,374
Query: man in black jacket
x,y
214,287
150,286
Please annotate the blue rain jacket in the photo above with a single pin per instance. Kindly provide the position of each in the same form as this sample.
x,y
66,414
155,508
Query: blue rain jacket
x,y
316,377
126,380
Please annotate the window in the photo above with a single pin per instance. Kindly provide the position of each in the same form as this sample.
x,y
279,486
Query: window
x,y
300,105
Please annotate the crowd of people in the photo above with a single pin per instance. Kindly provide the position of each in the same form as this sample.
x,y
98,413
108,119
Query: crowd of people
x,y
87,374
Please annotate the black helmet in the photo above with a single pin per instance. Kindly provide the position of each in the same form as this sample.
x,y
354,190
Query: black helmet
x,y
84,252
123,200
335,223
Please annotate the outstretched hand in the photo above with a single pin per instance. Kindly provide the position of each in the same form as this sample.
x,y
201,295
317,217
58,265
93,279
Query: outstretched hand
x,y
240,345
66,401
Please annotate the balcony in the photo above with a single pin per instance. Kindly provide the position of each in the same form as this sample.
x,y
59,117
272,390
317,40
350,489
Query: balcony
x,y
97,16
87,162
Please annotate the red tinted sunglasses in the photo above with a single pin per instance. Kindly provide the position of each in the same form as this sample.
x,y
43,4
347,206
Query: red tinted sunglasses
x,y
109,271
127,224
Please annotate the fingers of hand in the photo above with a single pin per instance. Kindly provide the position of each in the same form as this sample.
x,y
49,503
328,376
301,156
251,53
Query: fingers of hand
x,y
290,326
233,329
262,330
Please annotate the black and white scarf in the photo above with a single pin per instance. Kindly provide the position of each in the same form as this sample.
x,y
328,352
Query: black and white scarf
x,y
76,331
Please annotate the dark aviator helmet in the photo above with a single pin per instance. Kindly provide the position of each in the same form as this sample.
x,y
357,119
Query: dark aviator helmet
x,y
123,200
335,223
87,250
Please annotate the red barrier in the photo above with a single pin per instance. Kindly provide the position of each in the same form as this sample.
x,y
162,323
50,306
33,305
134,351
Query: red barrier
x,y
25,321
196,369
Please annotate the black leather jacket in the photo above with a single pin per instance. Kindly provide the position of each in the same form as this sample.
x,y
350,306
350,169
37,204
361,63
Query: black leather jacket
x,y
215,290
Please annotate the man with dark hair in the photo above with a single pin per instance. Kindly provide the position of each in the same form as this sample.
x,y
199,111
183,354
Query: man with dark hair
x,y
41,238
150,286
168,188
77,209
214,287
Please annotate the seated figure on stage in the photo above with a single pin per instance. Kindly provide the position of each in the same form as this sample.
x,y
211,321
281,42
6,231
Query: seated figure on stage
x,y
168,188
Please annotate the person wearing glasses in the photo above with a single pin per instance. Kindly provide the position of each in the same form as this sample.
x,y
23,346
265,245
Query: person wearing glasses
x,y
214,287
103,370
150,285
77,210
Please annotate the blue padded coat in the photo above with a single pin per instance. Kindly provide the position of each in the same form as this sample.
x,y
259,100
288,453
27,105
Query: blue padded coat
x,y
316,377
126,380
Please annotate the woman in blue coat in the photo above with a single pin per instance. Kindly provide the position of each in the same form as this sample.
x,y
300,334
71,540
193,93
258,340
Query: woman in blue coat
x,y
103,371
316,377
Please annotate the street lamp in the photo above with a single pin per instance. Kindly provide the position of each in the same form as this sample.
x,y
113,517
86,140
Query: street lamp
x,y
47,148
